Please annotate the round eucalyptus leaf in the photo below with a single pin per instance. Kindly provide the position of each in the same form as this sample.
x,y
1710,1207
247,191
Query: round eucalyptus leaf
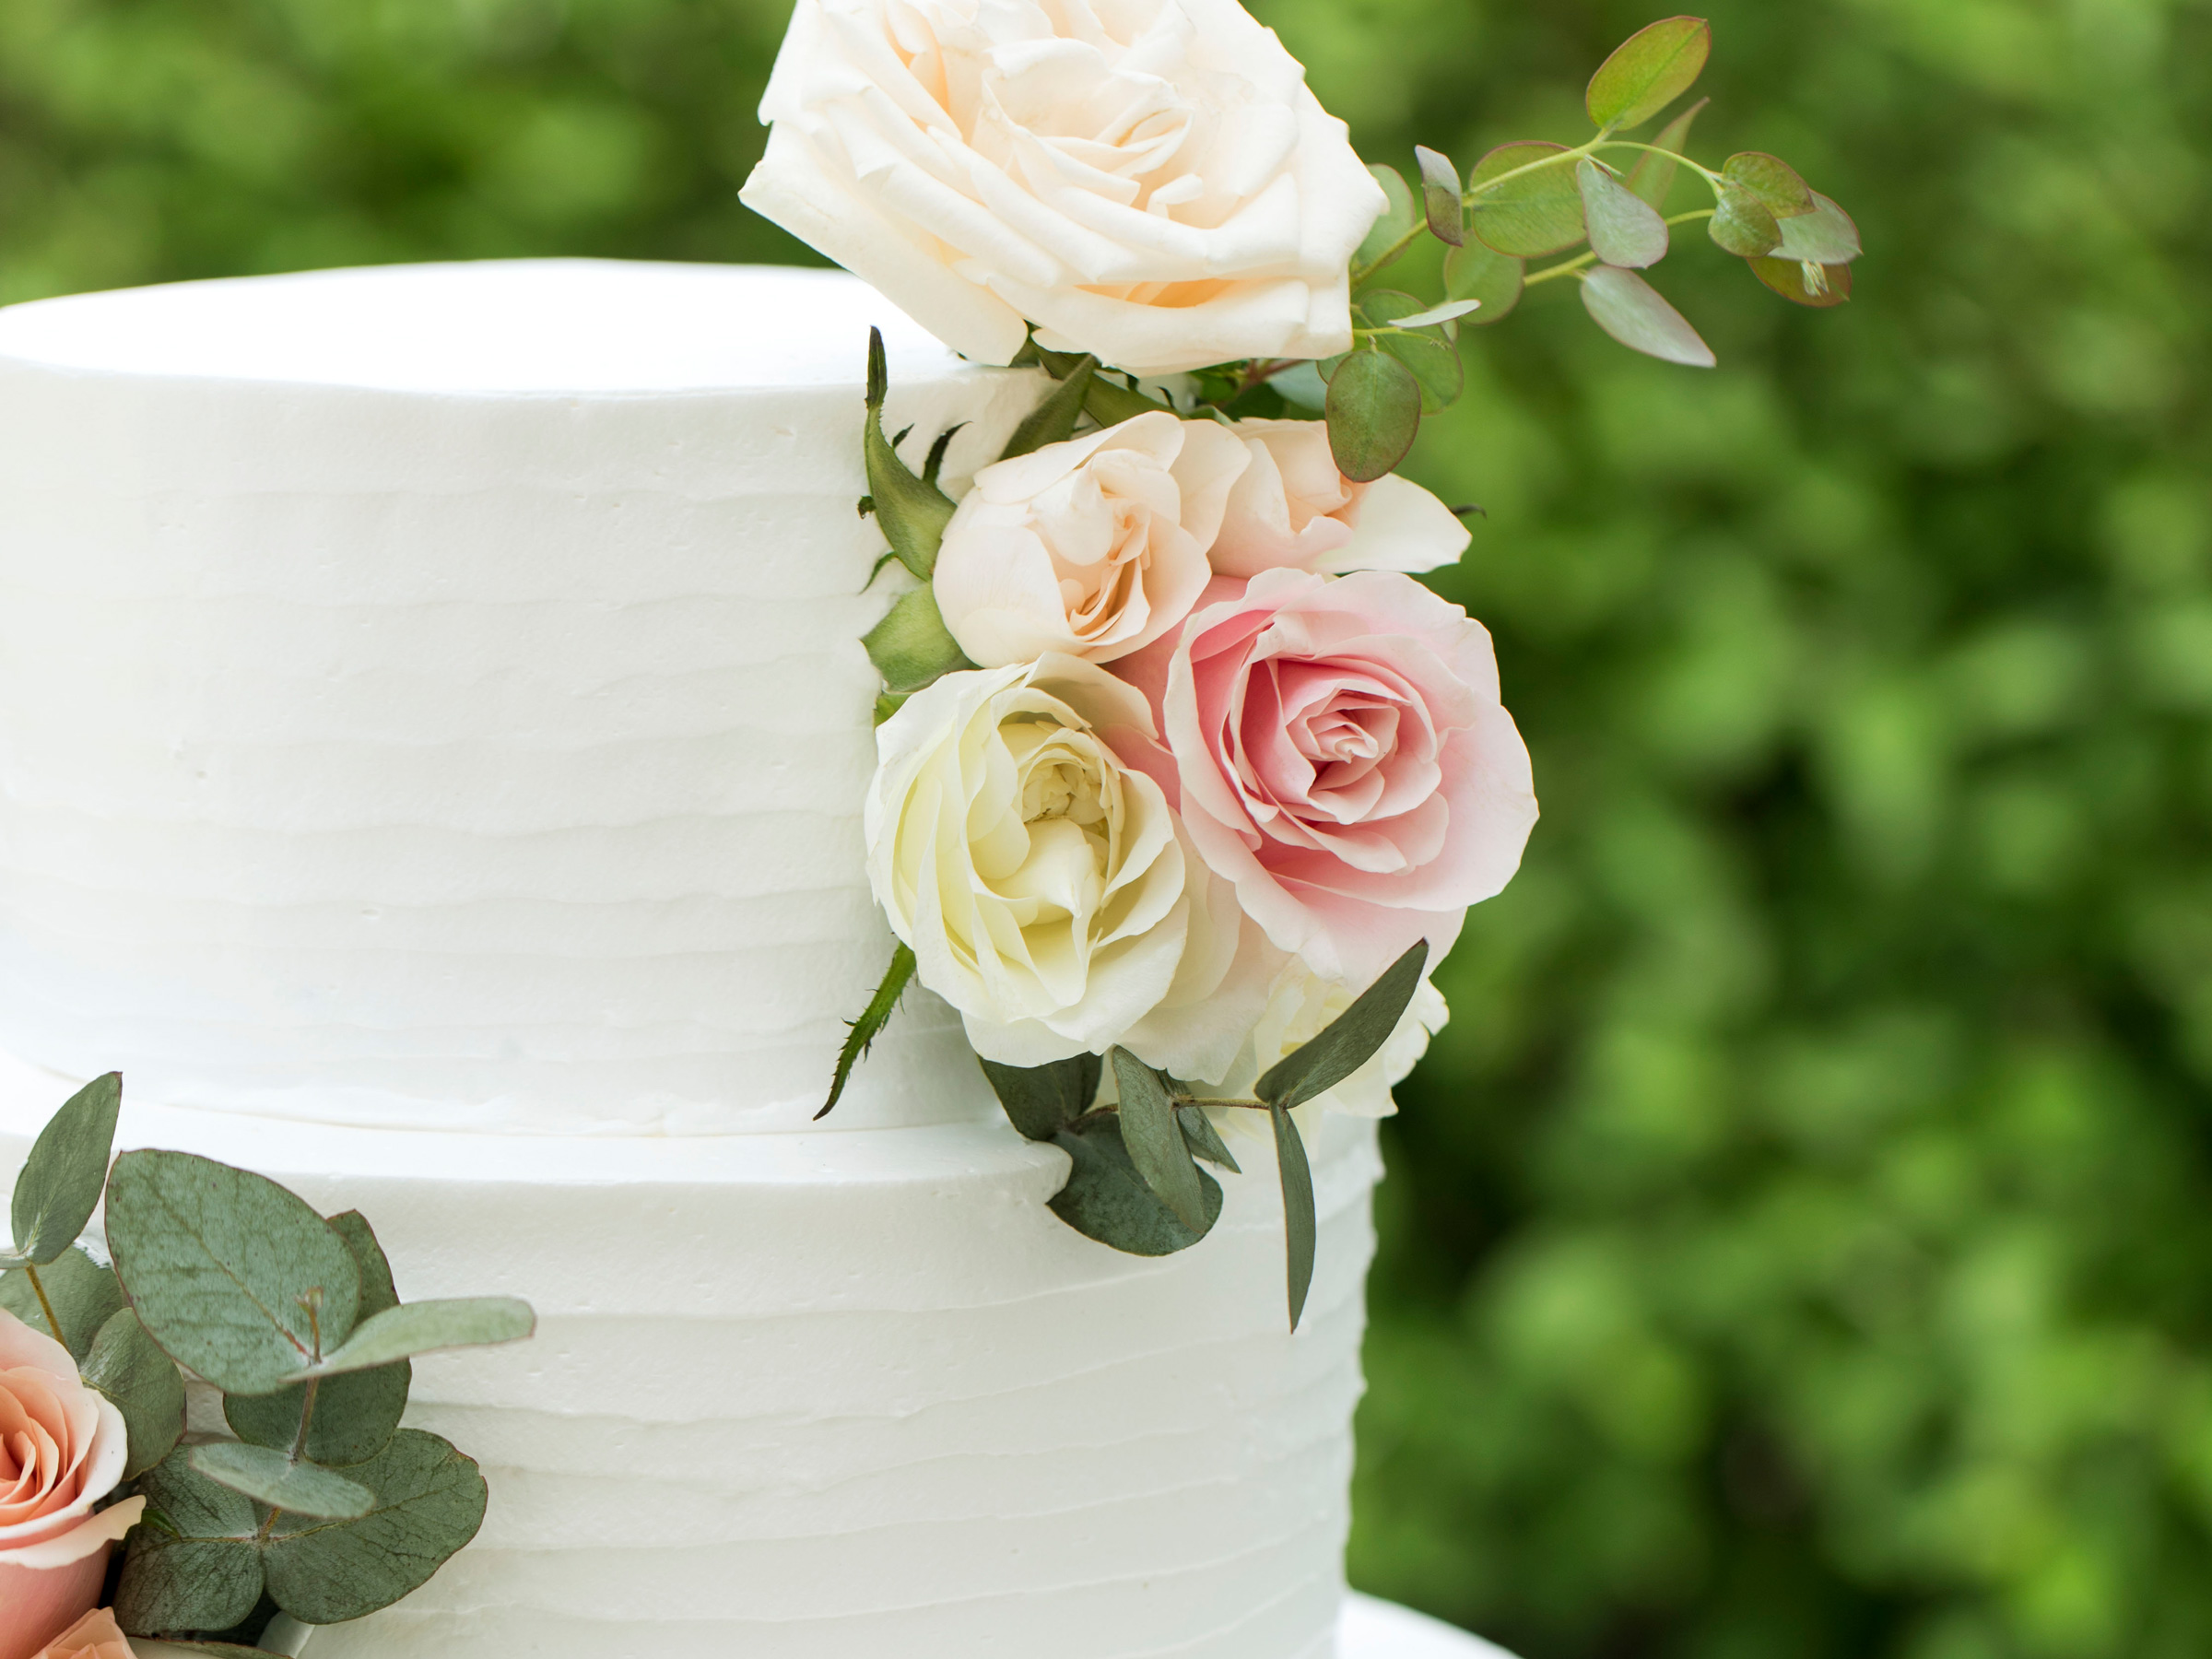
x,y
430,1501
1537,211
195,1568
1825,236
271,1478
234,1276
1400,214
1432,358
140,1381
1803,282
61,1179
1648,71
1040,1100
1773,180
84,1296
1106,1199
1625,230
1743,225
1374,414
1479,271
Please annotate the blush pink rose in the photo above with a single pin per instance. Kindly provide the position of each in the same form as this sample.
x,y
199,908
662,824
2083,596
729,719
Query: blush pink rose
x,y
95,1636
1291,507
1344,759
62,1448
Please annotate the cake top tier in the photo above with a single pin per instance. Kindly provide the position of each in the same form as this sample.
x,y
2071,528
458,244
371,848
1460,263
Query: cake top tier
x,y
536,327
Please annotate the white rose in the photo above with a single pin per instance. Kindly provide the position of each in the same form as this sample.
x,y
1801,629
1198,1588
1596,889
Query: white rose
x,y
1148,180
1094,547
1044,884
1291,507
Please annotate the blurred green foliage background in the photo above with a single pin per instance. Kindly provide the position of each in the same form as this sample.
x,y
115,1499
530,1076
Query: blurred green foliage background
x,y
1797,1244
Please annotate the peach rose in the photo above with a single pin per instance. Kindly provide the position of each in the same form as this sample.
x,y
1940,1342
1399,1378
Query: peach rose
x,y
1092,549
95,1636
1345,760
62,1450
1291,508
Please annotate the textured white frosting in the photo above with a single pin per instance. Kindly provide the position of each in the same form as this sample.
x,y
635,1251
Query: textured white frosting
x,y
432,741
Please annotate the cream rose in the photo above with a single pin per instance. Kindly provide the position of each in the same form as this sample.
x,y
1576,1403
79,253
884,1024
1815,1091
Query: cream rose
x,y
1044,884
1291,507
95,1636
1300,1004
62,1448
1148,180
1093,548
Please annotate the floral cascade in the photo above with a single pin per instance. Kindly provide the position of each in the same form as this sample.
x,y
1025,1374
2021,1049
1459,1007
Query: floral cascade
x,y
218,1387
1184,783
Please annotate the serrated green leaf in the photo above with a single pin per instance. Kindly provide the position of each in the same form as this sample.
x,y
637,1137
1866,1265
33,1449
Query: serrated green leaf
x,y
1625,230
1534,212
1826,235
1479,271
1299,1221
911,647
1350,1039
1203,1139
1440,196
60,1185
203,1575
429,1327
1400,212
1154,1140
1772,180
912,512
84,1294
1814,286
1632,311
1107,1200
1042,1100
1648,71
271,1478
234,1276
1054,420
1743,225
140,1381
355,1415
1432,358
1653,174
430,1501
1374,414
861,1033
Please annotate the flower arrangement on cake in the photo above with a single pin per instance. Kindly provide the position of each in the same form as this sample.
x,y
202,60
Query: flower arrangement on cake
x,y
216,1381
1184,783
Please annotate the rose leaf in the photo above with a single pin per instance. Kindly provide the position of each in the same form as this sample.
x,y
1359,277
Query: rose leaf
x,y
1350,1039
862,1032
1040,1100
429,1503
61,1179
140,1381
912,511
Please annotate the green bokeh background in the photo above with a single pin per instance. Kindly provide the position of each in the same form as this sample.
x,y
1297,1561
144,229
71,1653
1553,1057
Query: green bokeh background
x,y
1796,1246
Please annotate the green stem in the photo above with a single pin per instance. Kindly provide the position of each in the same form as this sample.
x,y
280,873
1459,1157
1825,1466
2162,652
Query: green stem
x,y
307,1416
45,1307
1710,177
1566,267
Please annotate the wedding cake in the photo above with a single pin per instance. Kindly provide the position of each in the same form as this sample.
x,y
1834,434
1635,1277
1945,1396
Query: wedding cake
x,y
433,743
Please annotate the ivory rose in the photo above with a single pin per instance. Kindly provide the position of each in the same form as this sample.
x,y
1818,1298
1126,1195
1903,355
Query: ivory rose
x,y
1291,507
1042,883
1345,760
62,1448
1093,548
1148,180
95,1636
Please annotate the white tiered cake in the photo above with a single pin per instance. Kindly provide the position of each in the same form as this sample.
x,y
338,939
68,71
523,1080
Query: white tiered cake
x,y
433,733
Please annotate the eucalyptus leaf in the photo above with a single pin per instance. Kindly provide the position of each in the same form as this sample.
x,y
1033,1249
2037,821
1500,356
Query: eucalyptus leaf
x,y
1299,1221
1400,212
1374,414
1040,1100
199,1571
1773,180
1648,71
1534,213
140,1381
1107,1200
912,512
1054,420
1203,1139
1826,235
214,1649
234,1276
355,1415
270,1477
1432,358
1631,310
1742,224
60,1185
430,1501
911,647
85,1296
429,1327
861,1033
1653,174
1350,1040
1804,282
1451,311
1154,1140
1440,196
1479,271
1625,230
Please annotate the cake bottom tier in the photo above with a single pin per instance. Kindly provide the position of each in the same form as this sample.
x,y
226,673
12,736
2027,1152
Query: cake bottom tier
x,y
820,1395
